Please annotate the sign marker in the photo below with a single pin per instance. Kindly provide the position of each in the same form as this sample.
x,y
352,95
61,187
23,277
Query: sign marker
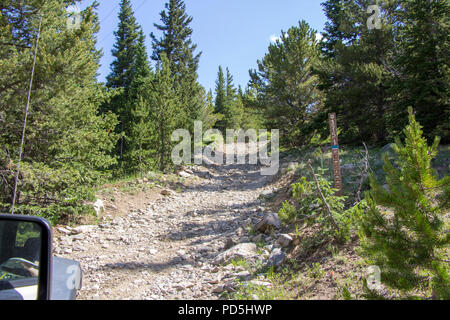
x,y
335,153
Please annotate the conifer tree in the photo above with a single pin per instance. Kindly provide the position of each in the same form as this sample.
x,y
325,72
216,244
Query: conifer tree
x,y
230,89
340,27
210,117
408,239
221,98
66,142
356,72
234,109
221,94
165,111
423,62
124,69
142,69
176,44
143,155
139,137
287,87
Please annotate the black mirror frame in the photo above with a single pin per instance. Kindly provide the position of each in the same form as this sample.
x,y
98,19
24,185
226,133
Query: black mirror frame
x,y
45,265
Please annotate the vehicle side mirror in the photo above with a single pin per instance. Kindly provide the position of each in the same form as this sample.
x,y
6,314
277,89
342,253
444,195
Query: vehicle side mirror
x,y
25,258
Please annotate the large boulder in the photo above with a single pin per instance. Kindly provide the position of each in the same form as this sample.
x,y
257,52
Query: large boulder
x,y
241,251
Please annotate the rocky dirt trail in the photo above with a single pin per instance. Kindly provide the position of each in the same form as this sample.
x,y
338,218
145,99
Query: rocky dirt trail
x,y
171,249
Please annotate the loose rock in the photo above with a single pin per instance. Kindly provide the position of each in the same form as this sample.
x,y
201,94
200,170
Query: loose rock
x,y
240,251
269,222
284,240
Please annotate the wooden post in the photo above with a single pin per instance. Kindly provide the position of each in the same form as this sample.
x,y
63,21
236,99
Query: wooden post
x,y
335,153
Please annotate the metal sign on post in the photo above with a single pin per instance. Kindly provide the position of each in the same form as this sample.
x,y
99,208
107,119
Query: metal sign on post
x,y
335,153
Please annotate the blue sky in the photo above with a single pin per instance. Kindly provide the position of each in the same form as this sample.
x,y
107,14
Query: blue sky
x,y
231,33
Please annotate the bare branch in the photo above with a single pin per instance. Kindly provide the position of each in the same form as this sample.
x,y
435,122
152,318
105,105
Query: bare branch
x,y
327,206
363,175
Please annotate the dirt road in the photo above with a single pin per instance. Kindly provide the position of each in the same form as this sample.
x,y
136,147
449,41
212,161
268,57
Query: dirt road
x,y
165,251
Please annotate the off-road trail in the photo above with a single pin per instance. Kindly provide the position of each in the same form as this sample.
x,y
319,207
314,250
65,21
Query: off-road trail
x,y
166,250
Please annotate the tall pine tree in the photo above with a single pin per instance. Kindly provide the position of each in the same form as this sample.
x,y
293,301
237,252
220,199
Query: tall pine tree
x,y
221,98
423,64
165,111
176,44
356,71
124,69
141,130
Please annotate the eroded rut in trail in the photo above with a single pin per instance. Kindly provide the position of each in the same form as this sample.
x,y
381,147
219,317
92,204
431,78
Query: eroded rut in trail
x,y
166,250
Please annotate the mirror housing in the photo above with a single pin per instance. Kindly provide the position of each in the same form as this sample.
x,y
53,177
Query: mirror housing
x,y
16,261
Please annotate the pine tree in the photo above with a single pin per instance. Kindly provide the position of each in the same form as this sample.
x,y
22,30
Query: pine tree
x,y
253,116
230,89
407,240
234,113
67,142
142,155
287,88
422,60
139,138
165,106
356,72
210,117
221,93
128,47
340,27
142,69
234,109
177,45
221,98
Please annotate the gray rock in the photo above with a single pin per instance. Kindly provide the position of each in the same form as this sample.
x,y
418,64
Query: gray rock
x,y
258,238
219,289
229,243
276,258
99,207
240,232
64,230
230,286
266,194
284,240
83,229
240,251
77,237
270,221
184,174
